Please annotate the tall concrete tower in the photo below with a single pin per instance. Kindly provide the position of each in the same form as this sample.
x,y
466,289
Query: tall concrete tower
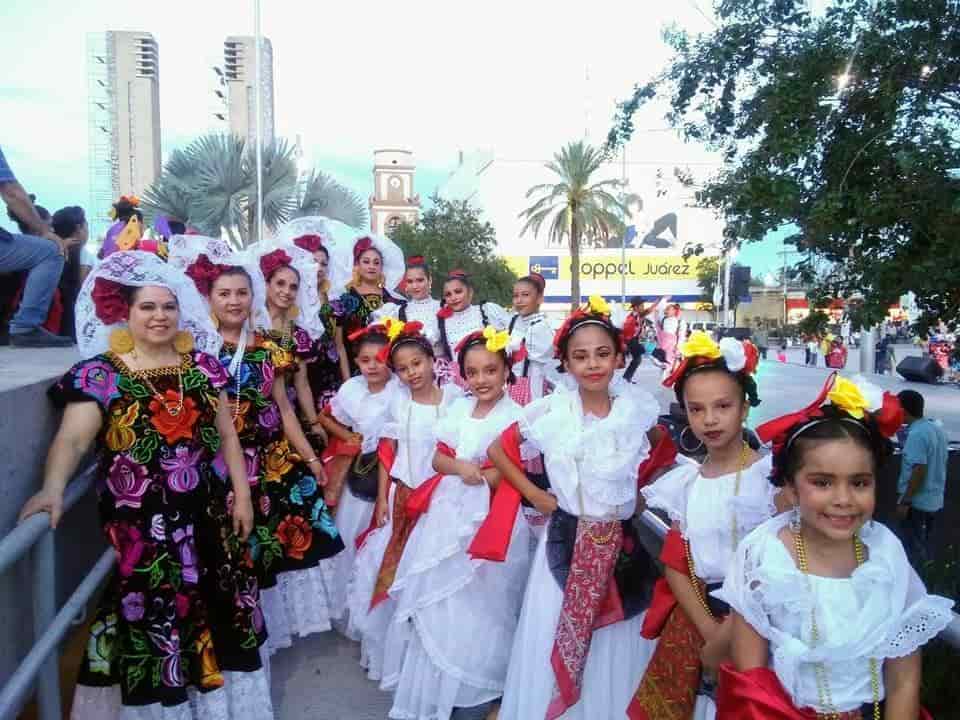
x,y
239,53
393,200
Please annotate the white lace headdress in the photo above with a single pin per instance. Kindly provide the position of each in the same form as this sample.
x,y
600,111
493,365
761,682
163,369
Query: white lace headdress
x,y
393,263
136,268
337,240
308,299
185,249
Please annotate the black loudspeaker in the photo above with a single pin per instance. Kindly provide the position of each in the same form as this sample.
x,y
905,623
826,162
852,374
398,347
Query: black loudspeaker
x,y
919,369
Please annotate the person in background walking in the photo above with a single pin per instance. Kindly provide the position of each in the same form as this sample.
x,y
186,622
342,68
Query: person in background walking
x,y
41,253
923,478
836,358
812,347
633,335
881,354
761,338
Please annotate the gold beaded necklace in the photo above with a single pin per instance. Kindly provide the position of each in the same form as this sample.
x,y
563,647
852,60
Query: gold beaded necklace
x,y
820,669
734,535
174,409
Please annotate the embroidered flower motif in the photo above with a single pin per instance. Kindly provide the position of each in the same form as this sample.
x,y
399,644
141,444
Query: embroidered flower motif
x,y
268,375
174,427
182,473
210,675
302,341
211,367
120,435
183,537
102,642
321,519
99,380
128,542
847,396
700,344
158,528
127,480
295,535
346,304
170,670
132,605
265,504
269,418
277,461
239,414
248,598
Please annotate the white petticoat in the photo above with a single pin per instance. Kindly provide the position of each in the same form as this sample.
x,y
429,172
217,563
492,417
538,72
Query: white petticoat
x,y
449,643
615,664
352,518
371,625
298,605
244,696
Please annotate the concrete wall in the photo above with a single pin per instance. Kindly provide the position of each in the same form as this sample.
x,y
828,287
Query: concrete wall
x,y
27,423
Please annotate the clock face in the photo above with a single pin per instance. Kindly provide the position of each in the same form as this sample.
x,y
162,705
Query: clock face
x,y
395,182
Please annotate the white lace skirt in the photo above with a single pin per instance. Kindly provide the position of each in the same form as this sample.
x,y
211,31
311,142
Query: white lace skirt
x,y
449,642
244,696
616,661
298,605
352,519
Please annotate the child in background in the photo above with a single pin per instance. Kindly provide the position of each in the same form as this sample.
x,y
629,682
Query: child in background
x,y
828,616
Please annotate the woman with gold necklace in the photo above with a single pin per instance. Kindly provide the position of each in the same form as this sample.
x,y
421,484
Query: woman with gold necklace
x,y
712,507
182,611
828,616
293,529
378,268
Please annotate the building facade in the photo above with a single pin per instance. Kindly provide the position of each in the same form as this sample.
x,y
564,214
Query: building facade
x,y
394,200
123,78
239,74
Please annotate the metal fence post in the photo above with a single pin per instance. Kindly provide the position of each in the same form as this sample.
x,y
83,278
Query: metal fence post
x,y
44,611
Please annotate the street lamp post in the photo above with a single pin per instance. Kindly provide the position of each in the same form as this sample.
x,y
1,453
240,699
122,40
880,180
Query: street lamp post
x,y
623,234
258,101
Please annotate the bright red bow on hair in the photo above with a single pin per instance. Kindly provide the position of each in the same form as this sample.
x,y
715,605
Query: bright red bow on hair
x,y
272,261
361,246
108,301
416,261
310,243
775,431
445,313
374,329
204,273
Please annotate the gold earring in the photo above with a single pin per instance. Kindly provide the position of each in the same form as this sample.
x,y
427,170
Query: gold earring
x,y
293,312
183,342
215,320
121,341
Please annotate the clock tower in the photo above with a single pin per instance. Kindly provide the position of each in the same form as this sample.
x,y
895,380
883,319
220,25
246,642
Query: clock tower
x,y
393,200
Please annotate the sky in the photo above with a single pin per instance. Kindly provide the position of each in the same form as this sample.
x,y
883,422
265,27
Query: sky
x,y
520,78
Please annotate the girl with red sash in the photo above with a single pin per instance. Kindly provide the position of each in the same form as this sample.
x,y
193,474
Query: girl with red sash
x,y
409,432
456,615
578,649
356,420
828,616
711,507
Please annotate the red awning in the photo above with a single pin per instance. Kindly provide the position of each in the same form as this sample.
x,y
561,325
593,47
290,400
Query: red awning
x,y
797,304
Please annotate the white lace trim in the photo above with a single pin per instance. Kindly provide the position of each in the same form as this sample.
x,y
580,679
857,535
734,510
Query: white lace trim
x,y
244,696
361,411
920,624
299,605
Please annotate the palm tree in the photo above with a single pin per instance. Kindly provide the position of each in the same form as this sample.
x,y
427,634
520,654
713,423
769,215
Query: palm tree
x,y
322,195
575,206
211,185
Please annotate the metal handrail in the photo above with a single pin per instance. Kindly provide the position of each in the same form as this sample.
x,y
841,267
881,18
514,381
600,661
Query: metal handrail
x,y
49,625
950,634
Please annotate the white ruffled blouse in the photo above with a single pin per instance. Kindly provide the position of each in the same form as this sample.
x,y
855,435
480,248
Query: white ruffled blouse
x,y
462,323
592,462
362,411
533,332
423,311
704,510
413,425
881,611
470,437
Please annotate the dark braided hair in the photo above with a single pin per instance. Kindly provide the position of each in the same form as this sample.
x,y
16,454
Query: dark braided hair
x,y
744,380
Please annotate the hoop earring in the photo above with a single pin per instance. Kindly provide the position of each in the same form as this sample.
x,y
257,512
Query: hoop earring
x,y
183,342
795,523
293,312
355,277
121,341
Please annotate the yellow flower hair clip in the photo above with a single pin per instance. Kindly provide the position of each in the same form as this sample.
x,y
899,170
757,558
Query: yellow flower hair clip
x,y
699,344
596,304
496,341
394,328
847,396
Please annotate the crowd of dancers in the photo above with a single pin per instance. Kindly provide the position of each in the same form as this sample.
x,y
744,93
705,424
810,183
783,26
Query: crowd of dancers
x,y
287,445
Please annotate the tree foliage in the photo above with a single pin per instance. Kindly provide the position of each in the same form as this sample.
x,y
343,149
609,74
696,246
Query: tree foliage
x,y
575,207
451,235
211,185
814,324
842,125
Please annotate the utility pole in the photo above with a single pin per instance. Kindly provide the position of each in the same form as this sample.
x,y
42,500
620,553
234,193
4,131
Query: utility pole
x,y
783,256
623,235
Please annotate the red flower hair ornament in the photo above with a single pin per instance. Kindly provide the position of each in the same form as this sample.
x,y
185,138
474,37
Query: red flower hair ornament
x,y
204,273
310,243
272,261
401,333
361,246
109,301
595,311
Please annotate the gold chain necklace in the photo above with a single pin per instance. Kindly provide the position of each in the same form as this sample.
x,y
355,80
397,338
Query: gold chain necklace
x,y
173,409
734,535
410,479
820,669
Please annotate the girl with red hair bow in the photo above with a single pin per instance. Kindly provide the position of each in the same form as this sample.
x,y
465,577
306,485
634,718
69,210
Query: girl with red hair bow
x,y
420,306
828,616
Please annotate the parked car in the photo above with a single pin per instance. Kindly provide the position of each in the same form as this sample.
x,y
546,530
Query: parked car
x,y
708,326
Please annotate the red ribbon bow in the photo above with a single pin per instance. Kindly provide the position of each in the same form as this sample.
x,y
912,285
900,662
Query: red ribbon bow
x,y
310,243
270,262
204,273
361,246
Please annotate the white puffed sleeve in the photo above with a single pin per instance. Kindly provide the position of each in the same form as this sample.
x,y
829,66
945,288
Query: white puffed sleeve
x,y
343,405
669,492
387,310
496,315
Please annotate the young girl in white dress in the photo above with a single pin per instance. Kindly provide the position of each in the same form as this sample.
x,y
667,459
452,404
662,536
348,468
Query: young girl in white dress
x,y
712,506
410,427
359,411
531,340
420,306
459,317
828,615
578,650
456,615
